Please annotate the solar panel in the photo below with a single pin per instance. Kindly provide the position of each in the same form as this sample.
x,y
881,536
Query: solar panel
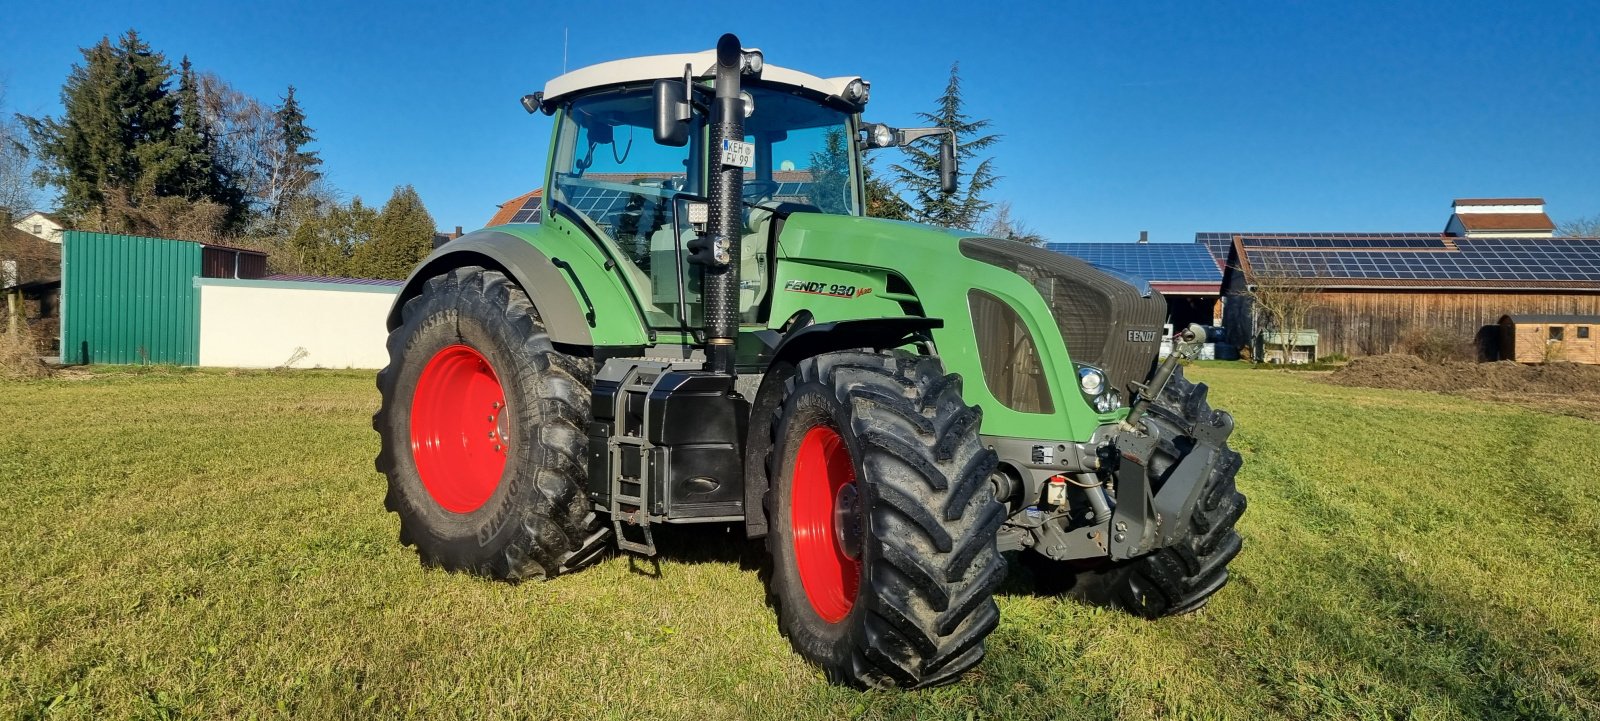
x,y
1170,262
1481,259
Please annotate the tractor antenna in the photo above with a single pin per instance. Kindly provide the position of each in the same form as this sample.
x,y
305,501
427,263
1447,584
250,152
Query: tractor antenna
x,y
564,51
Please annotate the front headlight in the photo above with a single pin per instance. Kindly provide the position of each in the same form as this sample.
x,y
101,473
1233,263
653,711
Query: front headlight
x,y
1091,381
1108,401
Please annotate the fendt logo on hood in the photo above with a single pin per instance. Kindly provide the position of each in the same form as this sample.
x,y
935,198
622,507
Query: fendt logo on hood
x,y
1143,336
814,288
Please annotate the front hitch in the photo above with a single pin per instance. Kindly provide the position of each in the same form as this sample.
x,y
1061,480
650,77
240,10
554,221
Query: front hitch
x,y
1162,463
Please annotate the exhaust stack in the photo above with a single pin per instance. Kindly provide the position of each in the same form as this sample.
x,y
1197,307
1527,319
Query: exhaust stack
x,y
718,251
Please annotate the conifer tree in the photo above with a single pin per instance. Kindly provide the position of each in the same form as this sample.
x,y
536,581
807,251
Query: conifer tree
x,y
965,207
294,168
402,236
117,128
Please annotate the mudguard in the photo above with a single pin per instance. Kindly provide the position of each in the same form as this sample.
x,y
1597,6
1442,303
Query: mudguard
x,y
563,313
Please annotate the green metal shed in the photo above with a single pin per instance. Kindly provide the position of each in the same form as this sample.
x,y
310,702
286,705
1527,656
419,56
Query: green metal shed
x,y
129,299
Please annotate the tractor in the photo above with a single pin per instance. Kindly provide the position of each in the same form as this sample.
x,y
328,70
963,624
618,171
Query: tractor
x,y
703,327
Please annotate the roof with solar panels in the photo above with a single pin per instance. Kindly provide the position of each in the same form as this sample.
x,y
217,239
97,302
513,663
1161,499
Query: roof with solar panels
x,y
1498,243
1171,268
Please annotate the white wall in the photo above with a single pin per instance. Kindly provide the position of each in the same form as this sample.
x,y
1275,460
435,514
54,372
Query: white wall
x,y
264,323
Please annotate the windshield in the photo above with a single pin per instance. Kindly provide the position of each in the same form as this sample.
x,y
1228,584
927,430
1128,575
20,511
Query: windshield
x,y
609,169
802,153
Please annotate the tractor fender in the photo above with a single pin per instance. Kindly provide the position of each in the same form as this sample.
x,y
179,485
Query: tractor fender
x,y
875,333
531,269
787,351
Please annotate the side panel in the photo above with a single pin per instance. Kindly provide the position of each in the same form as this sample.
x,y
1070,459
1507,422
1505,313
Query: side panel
x,y
931,262
579,299
129,299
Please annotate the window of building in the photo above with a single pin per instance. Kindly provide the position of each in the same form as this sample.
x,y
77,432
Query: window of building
x,y
38,228
1557,332
1583,331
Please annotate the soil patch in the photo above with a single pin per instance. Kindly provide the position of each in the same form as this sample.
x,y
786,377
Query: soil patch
x,y
1565,388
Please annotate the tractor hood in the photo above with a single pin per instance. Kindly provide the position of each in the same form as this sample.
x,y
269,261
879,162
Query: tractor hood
x,y
1108,320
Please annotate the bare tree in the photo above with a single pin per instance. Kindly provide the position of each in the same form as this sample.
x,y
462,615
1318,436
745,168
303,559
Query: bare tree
x,y
1580,228
1001,224
18,189
1281,301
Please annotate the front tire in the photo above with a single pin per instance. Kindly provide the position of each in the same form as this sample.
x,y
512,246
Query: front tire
x,y
1182,577
882,521
482,429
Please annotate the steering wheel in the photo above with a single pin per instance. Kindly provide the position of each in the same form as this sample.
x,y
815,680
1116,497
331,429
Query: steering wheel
x,y
756,190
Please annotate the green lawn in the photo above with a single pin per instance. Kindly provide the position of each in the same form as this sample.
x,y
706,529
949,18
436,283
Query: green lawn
x,y
195,544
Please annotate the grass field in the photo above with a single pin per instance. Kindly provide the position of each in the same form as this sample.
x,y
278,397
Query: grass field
x,y
197,544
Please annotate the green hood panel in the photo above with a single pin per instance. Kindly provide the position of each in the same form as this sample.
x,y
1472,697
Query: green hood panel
x,y
852,251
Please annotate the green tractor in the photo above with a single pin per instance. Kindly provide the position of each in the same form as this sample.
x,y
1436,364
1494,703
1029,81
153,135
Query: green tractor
x,y
703,327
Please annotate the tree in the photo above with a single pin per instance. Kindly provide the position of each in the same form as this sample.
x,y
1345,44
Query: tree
x,y
291,167
402,235
1281,301
1580,228
325,241
128,154
1001,225
964,207
117,127
17,186
199,177
882,200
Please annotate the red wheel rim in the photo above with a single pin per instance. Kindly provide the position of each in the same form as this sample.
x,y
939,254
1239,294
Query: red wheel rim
x,y
458,429
821,509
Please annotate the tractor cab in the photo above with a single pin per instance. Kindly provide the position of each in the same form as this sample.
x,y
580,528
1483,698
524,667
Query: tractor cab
x,y
639,196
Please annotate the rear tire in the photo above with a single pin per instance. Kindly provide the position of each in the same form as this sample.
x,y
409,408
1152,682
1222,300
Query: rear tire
x,y
1182,577
495,490
882,521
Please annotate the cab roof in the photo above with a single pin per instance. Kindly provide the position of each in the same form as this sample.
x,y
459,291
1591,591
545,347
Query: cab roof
x,y
660,67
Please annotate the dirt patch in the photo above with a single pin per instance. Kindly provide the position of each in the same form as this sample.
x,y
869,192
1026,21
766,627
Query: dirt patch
x,y
1565,388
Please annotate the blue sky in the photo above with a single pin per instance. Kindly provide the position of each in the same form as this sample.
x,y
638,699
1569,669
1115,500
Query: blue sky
x,y
1174,117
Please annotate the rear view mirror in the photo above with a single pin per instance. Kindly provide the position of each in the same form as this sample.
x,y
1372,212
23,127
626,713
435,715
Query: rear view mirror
x,y
948,164
672,112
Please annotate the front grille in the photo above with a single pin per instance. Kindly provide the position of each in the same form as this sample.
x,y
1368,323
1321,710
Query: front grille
x,y
1106,322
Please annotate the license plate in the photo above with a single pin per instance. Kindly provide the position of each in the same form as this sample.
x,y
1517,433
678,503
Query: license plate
x,y
738,153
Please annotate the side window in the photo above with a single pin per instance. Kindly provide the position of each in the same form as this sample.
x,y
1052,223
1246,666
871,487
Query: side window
x,y
1557,332
1583,331
610,169
1011,366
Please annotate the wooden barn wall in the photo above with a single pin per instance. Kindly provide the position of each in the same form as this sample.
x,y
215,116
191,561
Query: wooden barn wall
x,y
1357,323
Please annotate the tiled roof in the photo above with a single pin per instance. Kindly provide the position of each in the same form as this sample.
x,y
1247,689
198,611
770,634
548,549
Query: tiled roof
x,y
1506,221
508,210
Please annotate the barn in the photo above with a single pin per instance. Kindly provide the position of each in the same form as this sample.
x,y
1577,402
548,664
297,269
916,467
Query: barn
x,y
1372,293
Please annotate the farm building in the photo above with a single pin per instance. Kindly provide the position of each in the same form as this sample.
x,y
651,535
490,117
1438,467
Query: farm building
x,y
1543,338
1184,273
1374,293
129,299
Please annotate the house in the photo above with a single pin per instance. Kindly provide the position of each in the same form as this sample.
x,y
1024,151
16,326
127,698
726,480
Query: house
x,y
30,280
1184,273
521,209
41,225
1375,292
